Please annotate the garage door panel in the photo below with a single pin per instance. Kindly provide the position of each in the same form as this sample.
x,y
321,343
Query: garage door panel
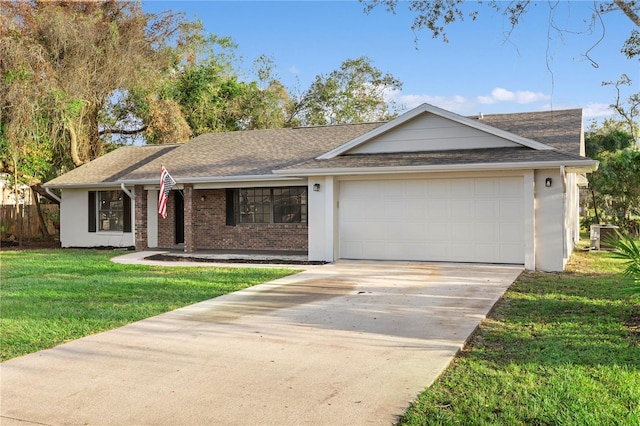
x,y
416,189
511,187
438,188
510,209
463,232
391,189
462,252
466,219
512,253
487,251
462,188
438,210
486,231
487,187
510,232
463,208
486,208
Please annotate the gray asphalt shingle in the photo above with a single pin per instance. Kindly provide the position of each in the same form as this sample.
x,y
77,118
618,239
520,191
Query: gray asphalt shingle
x,y
259,152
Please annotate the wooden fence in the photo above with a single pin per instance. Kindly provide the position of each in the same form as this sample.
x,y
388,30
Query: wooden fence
x,y
25,218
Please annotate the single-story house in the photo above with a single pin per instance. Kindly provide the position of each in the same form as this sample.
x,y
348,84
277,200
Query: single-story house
x,y
429,185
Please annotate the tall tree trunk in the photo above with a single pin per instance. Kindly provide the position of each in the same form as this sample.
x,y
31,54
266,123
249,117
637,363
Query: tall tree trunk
x,y
41,221
17,200
73,137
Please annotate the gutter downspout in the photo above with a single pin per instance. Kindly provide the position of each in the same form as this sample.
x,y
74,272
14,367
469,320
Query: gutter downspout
x,y
565,248
126,191
52,194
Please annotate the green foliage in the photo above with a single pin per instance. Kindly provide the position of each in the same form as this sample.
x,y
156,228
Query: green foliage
x,y
628,249
49,297
615,186
617,181
352,94
631,47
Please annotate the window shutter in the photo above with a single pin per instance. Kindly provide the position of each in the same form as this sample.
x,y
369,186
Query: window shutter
x,y
126,206
230,196
92,211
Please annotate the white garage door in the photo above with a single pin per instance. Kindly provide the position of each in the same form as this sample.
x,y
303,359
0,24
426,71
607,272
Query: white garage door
x,y
455,220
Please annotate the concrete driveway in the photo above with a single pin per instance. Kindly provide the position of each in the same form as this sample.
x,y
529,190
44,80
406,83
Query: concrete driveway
x,y
349,343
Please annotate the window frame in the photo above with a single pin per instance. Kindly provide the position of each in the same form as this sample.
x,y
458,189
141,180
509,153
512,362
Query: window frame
x,y
270,209
99,215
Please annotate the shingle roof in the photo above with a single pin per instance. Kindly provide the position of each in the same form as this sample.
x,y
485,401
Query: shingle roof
x,y
250,153
260,152
438,158
559,129
111,167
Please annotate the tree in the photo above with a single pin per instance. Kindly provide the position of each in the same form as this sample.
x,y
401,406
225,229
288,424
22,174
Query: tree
x,y
63,65
436,15
354,93
615,186
628,110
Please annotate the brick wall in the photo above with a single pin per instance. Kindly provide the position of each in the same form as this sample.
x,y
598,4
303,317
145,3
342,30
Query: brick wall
x,y
211,232
166,227
141,240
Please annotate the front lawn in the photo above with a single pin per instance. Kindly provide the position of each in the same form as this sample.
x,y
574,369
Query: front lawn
x,y
48,297
558,349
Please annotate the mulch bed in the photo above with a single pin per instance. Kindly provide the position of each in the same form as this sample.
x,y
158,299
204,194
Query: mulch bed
x,y
169,258
29,245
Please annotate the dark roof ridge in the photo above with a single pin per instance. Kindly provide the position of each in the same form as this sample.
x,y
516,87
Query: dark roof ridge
x,y
525,112
340,124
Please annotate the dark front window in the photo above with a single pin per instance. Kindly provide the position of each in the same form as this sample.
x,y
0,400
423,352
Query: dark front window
x,y
272,205
109,211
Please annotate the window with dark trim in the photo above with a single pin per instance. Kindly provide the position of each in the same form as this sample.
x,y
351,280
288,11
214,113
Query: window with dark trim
x,y
109,211
268,205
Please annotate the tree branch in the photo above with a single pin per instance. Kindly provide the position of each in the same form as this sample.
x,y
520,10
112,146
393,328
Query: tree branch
x,y
122,131
627,8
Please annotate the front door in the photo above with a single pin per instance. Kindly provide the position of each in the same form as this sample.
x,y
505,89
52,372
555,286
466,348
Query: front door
x,y
179,209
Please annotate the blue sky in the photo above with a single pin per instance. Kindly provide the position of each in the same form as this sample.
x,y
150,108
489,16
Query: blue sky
x,y
479,70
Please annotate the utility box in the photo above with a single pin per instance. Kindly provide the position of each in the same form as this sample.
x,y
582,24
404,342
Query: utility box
x,y
600,235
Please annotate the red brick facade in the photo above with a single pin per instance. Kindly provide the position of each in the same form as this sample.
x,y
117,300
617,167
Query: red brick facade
x,y
167,227
208,229
140,201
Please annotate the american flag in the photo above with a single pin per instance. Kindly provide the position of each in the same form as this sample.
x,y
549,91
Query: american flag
x,y
166,183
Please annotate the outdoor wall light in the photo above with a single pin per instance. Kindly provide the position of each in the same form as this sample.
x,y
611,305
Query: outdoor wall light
x,y
204,197
547,182
316,187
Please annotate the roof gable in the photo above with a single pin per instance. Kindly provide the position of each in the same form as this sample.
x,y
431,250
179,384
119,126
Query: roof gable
x,y
429,128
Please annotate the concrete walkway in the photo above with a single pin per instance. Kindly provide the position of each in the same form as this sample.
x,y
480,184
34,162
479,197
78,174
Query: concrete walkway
x,y
350,343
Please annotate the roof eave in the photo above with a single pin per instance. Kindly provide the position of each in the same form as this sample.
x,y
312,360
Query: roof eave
x,y
179,181
574,166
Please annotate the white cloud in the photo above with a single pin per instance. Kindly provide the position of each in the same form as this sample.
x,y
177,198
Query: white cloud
x,y
597,111
520,96
294,70
450,103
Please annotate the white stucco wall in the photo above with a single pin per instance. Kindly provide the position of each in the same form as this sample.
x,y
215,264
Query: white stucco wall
x,y
74,223
550,228
322,216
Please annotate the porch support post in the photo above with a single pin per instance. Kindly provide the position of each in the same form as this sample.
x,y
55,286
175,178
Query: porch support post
x,y
189,219
140,215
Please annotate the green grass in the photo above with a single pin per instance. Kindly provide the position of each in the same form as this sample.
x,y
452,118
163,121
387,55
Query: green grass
x,y
48,297
558,349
